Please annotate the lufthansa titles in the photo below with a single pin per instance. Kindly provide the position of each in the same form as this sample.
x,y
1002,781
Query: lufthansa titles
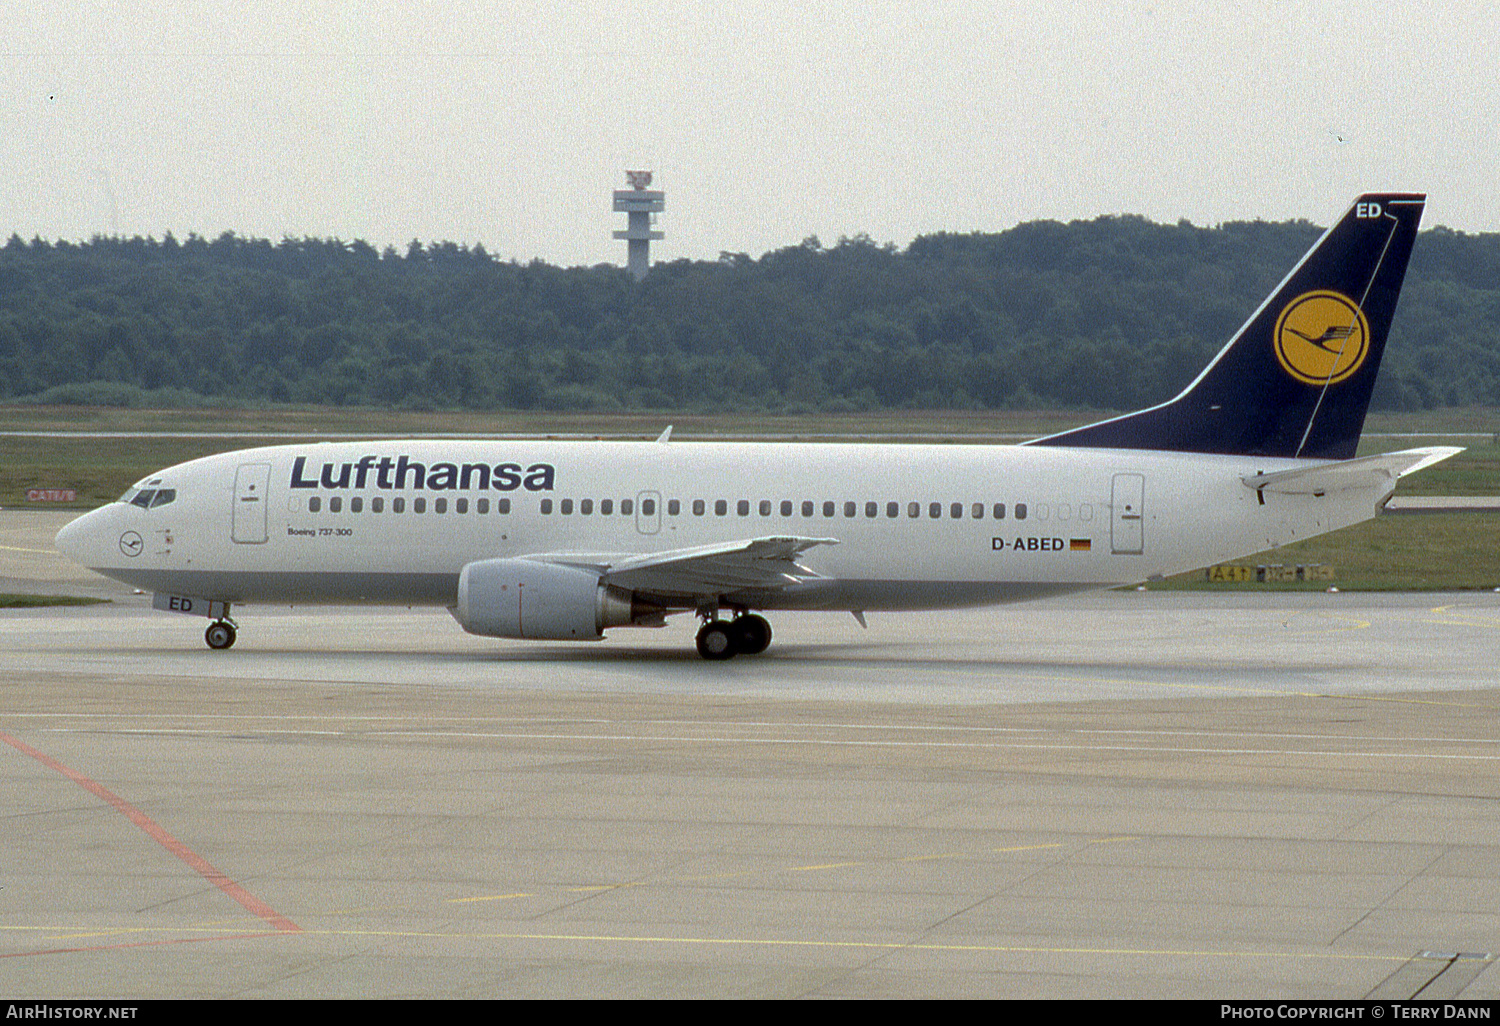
x,y
400,473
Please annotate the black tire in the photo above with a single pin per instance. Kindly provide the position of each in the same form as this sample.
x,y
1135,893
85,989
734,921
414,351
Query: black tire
x,y
716,640
219,635
752,634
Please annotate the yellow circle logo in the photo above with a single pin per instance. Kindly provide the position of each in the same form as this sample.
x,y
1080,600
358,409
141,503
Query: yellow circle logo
x,y
1322,337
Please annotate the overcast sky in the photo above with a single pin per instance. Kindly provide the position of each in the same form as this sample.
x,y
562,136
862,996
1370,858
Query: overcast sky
x,y
508,122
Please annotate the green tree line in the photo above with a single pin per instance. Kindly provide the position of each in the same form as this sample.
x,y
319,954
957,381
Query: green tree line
x,y
1110,313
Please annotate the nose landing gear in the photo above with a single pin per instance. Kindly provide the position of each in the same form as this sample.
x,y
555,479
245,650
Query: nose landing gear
x,y
220,634
746,634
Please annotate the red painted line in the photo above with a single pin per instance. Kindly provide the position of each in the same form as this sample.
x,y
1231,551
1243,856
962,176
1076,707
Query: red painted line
x,y
158,834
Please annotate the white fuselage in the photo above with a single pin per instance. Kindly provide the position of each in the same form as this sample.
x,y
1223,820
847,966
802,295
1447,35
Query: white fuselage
x,y
917,526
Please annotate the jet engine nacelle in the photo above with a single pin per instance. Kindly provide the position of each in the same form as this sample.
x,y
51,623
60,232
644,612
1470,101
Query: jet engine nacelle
x,y
523,598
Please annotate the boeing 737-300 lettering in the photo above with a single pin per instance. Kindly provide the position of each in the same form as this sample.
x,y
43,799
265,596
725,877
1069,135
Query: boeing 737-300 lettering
x,y
568,539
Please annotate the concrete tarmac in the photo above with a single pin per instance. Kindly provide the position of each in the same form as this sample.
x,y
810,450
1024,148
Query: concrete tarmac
x,y
1120,795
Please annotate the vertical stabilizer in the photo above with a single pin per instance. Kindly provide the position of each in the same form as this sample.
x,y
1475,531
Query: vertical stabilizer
x,y
1295,381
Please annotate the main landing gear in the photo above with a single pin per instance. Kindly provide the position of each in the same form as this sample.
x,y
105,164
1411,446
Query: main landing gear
x,y
746,634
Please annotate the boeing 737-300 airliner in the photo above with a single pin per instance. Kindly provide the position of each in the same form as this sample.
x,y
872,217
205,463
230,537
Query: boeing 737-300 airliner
x,y
567,539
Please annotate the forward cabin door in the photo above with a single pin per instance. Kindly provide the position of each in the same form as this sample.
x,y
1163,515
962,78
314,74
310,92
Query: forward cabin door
x,y
251,482
1126,530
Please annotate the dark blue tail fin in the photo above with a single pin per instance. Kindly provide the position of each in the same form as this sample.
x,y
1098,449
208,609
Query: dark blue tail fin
x,y
1296,379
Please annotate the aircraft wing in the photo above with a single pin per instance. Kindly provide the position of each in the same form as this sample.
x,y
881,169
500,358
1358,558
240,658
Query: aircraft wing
x,y
753,564
1344,475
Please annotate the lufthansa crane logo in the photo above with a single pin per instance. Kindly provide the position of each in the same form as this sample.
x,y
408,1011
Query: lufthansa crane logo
x,y
1322,337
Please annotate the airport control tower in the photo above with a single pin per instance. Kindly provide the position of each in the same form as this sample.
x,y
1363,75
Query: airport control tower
x,y
640,204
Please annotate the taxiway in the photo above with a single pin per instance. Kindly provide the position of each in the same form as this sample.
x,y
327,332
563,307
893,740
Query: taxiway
x,y
1127,794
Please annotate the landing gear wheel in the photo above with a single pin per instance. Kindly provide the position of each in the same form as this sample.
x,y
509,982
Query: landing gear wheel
x,y
219,635
716,640
752,634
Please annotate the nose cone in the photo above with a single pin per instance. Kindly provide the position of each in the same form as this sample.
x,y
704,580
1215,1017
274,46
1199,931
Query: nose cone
x,y
79,540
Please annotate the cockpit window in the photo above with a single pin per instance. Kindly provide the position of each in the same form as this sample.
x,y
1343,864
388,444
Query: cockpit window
x,y
150,498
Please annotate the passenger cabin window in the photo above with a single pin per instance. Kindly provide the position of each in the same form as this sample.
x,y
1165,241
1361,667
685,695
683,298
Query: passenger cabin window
x,y
606,507
1020,511
314,504
648,507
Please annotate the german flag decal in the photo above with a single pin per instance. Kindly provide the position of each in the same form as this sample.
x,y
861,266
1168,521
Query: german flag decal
x,y
1078,544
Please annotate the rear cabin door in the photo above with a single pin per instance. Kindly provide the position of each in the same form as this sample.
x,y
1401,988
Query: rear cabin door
x,y
1126,531
251,482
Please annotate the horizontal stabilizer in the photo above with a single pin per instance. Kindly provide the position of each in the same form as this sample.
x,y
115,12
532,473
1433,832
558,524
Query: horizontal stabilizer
x,y
1345,475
